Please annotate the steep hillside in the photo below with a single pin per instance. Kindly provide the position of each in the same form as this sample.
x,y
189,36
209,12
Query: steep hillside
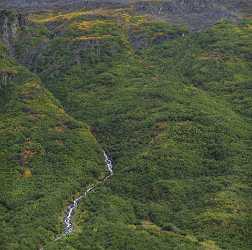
x,y
174,110
31,5
197,14
46,158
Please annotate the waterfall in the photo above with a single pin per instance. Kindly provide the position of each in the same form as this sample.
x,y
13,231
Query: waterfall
x,y
68,219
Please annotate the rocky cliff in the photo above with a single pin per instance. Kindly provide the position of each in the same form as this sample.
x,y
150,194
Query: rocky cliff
x,y
197,14
6,76
10,22
60,4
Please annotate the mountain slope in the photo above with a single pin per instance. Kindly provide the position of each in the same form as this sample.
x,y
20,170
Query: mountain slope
x,y
196,14
172,107
46,158
174,110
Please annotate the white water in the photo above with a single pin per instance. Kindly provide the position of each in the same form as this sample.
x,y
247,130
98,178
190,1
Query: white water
x,y
108,164
68,219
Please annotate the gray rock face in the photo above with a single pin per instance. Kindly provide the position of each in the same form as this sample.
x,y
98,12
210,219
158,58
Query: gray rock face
x,y
181,6
197,14
8,26
5,78
10,22
60,4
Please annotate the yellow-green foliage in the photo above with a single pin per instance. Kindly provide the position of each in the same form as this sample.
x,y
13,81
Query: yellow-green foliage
x,y
26,173
172,108
39,174
52,17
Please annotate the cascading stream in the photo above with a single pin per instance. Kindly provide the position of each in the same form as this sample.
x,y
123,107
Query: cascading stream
x,y
68,219
68,224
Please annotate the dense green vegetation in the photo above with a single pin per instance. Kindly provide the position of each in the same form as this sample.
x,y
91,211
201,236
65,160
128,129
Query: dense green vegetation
x,y
173,109
46,158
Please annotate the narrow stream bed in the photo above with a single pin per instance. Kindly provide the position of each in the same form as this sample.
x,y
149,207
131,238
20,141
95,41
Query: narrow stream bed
x,y
68,219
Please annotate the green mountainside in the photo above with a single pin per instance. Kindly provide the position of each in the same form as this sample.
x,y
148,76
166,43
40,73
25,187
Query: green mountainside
x,y
172,108
46,158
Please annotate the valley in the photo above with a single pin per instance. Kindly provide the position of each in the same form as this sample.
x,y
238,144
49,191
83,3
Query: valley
x,y
172,107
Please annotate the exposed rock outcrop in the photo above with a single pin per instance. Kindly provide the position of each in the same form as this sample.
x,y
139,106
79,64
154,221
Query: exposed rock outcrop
x,y
29,5
6,76
10,22
197,14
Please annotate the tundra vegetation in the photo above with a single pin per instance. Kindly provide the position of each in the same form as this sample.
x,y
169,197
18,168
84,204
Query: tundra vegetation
x,y
172,108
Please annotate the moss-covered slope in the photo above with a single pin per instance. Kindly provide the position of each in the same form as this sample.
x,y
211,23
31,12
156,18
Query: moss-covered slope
x,y
46,157
174,110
